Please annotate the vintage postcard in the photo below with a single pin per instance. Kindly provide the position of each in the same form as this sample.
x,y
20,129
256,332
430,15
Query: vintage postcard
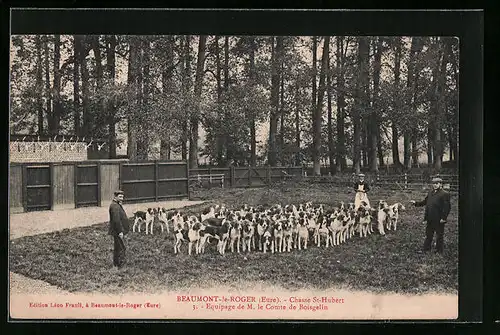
x,y
242,177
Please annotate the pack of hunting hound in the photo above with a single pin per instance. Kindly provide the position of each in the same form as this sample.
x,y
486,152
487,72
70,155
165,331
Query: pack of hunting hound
x,y
273,229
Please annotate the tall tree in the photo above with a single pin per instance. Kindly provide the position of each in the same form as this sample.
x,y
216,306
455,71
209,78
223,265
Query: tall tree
x,y
110,106
281,136
360,98
410,131
252,79
86,114
55,117
186,90
341,162
375,108
439,104
331,144
99,107
218,78
144,141
314,89
195,115
276,58
396,102
167,76
227,140
39,83
452,122
76,85
319,107
133,83
48,91
298,160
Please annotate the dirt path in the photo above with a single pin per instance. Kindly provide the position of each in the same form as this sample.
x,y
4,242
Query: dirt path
x,y
33,223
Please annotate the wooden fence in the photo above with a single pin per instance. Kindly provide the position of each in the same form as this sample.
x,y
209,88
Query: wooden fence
x,y
397,182
251,176
261,176
52,186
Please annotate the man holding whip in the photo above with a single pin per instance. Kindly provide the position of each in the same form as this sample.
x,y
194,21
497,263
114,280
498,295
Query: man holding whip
x,y
437,208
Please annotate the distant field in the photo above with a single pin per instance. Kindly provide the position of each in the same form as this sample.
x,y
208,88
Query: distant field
x,y
80,259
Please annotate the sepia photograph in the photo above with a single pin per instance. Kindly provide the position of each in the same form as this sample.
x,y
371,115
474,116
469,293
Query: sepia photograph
x,y
243,177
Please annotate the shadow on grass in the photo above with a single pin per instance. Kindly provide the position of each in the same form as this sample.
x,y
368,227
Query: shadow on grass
x,y
80,259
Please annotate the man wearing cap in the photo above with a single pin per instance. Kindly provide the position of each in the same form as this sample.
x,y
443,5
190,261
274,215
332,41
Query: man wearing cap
x,y
437,208
361,187
118,227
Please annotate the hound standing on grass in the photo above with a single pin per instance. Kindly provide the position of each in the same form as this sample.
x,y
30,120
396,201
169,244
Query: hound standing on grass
x,y
394,215
146,217
361,188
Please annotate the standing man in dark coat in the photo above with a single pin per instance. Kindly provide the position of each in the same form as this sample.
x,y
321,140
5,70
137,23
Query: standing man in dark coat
x,y
437,208
118,227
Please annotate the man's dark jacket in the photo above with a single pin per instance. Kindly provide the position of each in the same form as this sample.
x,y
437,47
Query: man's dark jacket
x,y
437,205
118,220
366,186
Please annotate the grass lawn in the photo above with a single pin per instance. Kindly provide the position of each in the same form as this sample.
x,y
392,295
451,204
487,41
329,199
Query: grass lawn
x,y
79,259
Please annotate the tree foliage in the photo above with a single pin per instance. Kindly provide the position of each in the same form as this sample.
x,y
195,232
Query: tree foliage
x,y
251,99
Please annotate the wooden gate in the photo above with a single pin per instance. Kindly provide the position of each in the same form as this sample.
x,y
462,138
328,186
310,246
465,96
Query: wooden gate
x,y
154,180
87,191
38,190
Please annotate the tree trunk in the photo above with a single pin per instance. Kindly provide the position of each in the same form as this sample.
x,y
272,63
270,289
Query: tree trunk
x,y
275,81
314,93
281,142
430,147
167,87
440,105
364,141
144,147
218,78
298,160
396,104
341,163
48,92
253,132
111,65
186,88
331,144
133,69
39,83
408,132
76,84
318,110
411,130
86,126
56,89
142,140
195,115
227,136
375,110
99,79
360,98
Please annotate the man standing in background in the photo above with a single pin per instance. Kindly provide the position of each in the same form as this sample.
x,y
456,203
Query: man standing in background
x,y
437,208
361,187
118,227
